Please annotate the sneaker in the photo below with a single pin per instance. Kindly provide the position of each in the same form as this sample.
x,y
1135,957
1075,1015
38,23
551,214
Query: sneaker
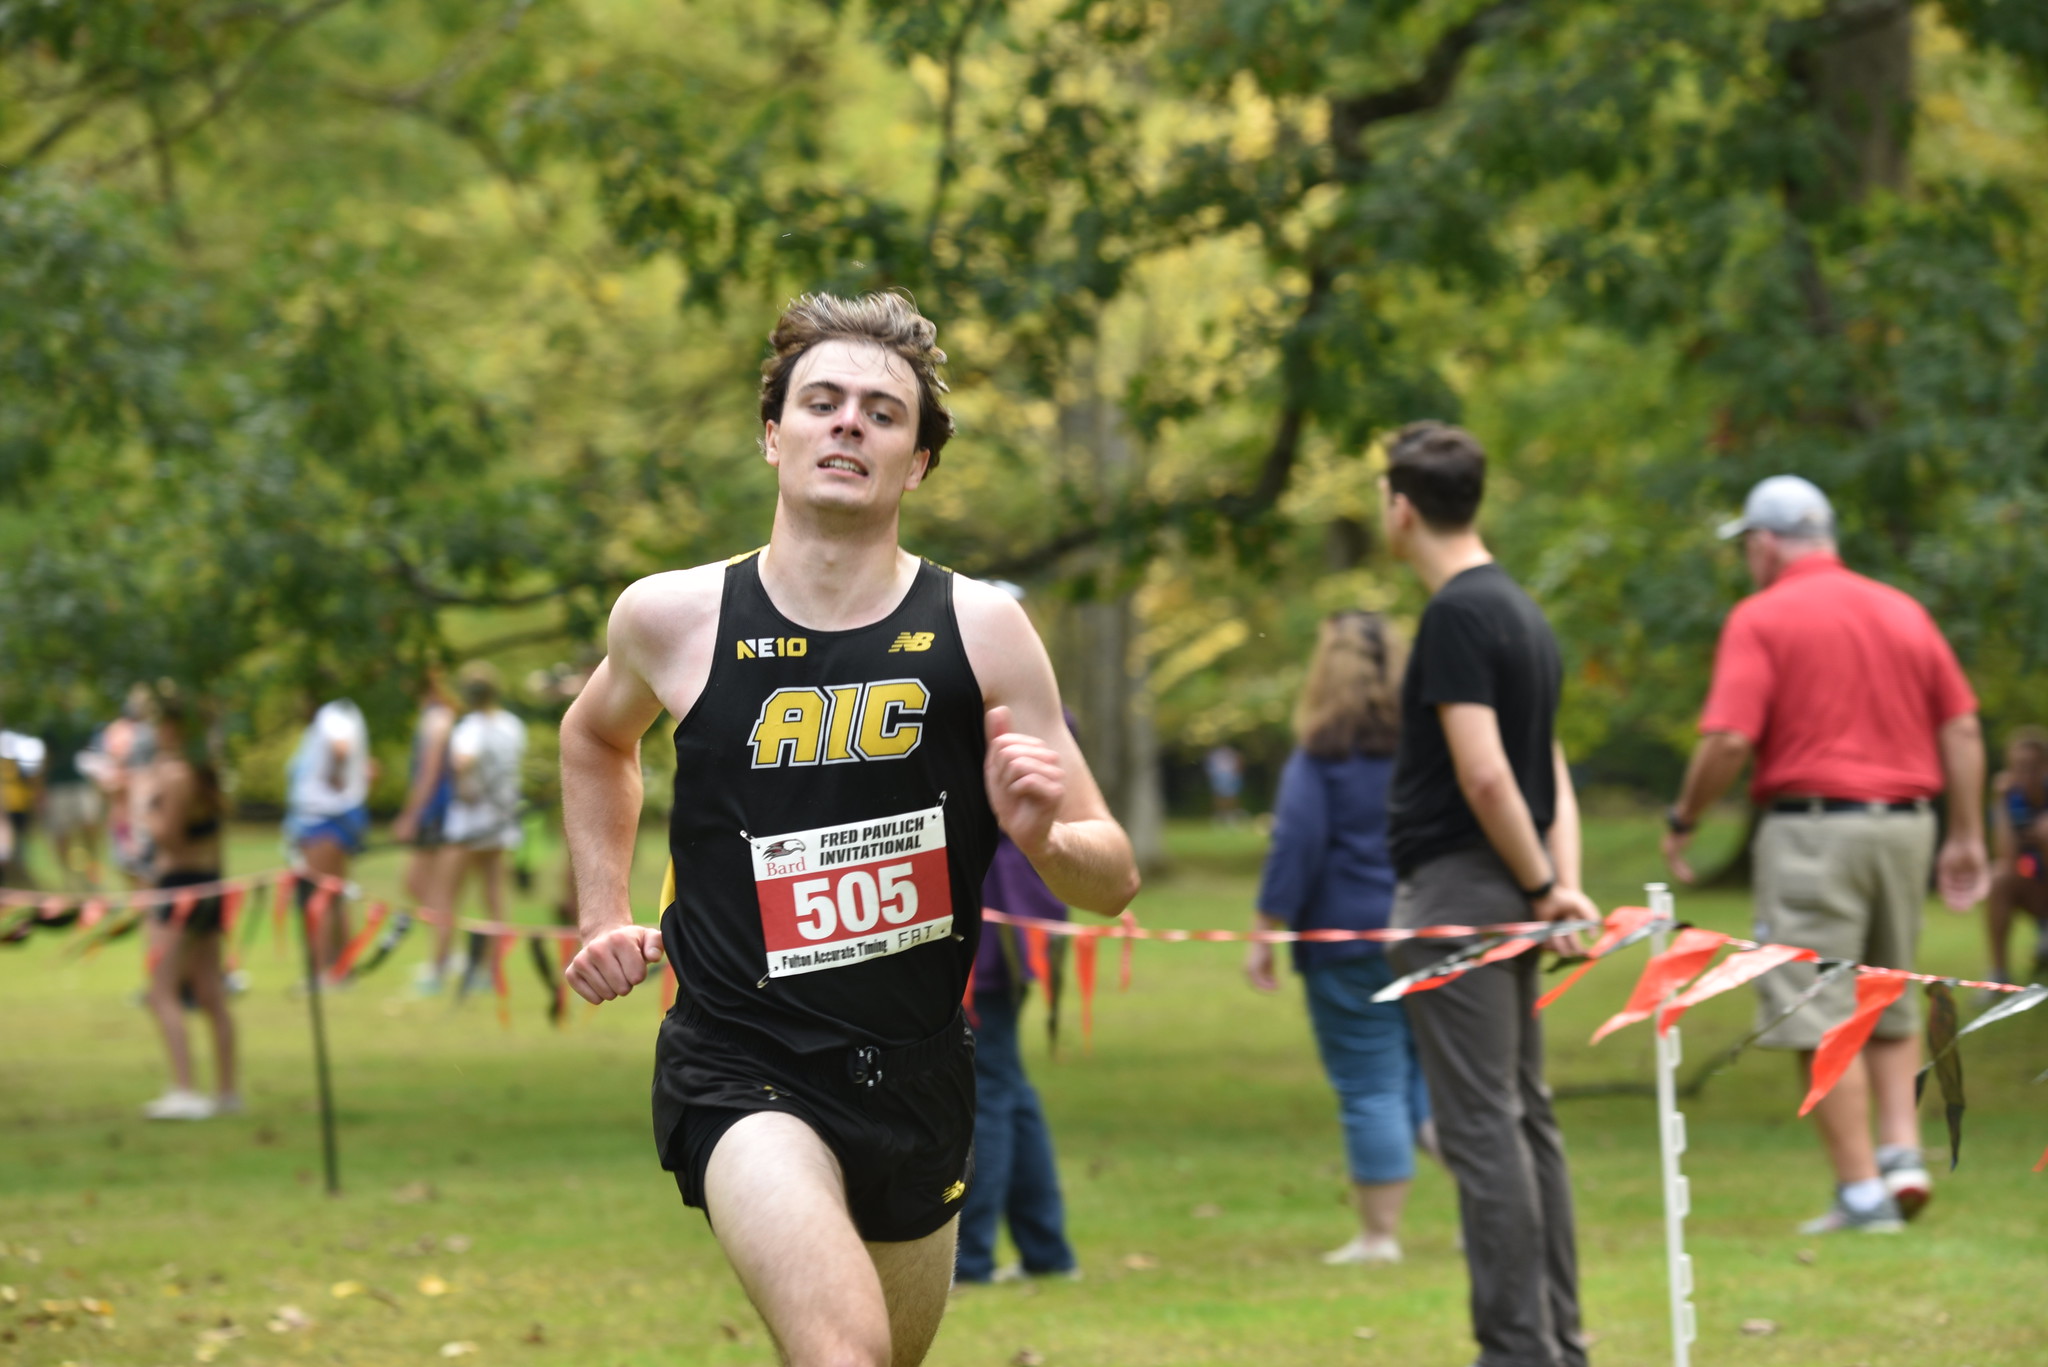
x,y
1885,1219
1906,1178
179,1104
227,1103
1365,1249
427,981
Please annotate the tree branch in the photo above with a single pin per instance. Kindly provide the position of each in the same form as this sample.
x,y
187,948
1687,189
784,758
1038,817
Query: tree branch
x,y
949,161
225,94
426,589
1349,118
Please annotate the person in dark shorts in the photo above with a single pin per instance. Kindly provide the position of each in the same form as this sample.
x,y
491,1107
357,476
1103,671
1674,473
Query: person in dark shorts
x,y
1483,828
855,725
186,815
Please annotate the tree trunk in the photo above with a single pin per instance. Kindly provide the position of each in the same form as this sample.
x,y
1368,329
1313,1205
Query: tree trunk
x,y
1102,675
1853,63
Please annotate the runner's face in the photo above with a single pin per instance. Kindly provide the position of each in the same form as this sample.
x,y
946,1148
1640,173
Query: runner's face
x,y
848,435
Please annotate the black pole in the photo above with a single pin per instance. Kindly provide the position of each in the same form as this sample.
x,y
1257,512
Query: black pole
x,y
327,1146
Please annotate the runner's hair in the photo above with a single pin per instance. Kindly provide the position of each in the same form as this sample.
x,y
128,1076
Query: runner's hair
x,y
889,320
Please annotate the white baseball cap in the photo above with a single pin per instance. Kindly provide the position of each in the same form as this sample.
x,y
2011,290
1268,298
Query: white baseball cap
x,y
1786,505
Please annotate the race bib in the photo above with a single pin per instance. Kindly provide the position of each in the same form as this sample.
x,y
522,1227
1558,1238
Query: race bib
x,y
840,895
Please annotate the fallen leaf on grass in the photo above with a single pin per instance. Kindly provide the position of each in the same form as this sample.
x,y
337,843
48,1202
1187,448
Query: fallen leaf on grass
x,y
412,1193
431,1285
538,1334
59,1307
8,1295
211,1341
733,1332
103,1309
1138,1262
1206,1211
1026,1357
1806,1256
1759,1328
341,1291
456,1243
457,1348
1361,1332
286,1318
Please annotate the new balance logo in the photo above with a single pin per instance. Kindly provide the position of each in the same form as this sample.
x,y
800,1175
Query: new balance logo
x,y
912,640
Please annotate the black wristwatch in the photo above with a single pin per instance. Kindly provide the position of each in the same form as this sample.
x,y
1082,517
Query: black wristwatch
x,y
1675,823
1538,894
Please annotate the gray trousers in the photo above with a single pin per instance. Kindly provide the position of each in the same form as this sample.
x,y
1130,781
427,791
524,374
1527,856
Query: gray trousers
x,y
1481,1047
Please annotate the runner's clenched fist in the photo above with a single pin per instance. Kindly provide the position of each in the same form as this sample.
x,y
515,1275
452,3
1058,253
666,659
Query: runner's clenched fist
x,y
1025,783
614,962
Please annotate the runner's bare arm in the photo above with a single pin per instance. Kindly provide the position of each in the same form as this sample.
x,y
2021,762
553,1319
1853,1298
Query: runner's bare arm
x,y
654,638
1044,797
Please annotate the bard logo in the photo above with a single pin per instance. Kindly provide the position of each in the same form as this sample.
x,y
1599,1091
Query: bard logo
x,y
912,641
954,1193
839,723
773,647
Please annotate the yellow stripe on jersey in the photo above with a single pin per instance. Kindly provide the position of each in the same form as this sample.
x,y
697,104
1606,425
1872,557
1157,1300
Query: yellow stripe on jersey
x,y
668,892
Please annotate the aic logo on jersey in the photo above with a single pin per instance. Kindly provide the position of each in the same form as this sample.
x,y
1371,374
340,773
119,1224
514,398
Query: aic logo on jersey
x,y
839,723
773,647
912,641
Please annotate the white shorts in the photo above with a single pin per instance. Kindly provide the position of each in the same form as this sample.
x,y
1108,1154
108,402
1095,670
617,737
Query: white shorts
x,y
480,826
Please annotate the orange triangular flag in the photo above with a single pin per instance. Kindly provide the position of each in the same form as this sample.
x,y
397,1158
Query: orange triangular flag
x,y
1622,922
1876,989
1084,975
1731,972
1688,954
1035,953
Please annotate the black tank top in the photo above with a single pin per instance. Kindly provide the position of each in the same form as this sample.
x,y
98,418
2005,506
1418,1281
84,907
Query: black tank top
x,y
831,829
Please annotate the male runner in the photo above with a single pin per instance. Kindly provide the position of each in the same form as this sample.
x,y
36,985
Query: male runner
x,y
855,725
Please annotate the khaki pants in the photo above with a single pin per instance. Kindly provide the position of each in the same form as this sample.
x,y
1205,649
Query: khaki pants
x,y
1849,885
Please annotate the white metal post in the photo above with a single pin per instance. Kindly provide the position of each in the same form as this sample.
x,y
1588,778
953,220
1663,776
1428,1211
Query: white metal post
x,y
1670,1144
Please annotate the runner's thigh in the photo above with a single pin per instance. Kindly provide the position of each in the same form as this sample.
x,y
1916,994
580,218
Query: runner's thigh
x,y
777,1201
917,1276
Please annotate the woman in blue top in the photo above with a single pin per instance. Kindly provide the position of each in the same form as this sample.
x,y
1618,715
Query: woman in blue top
x,y
1328,868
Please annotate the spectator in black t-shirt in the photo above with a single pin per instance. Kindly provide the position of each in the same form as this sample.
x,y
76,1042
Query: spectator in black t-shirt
x,y
1484,829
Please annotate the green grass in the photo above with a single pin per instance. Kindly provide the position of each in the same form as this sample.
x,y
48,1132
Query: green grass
x,y
530,1148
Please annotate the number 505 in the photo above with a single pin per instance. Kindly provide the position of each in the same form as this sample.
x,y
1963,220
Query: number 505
x,y
859,903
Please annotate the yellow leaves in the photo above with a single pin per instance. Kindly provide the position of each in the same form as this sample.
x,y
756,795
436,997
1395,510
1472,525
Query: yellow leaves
x,y
431,1285
341,1291
457,1348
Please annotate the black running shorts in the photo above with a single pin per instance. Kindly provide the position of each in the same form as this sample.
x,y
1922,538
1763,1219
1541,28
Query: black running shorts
x,y
901,1122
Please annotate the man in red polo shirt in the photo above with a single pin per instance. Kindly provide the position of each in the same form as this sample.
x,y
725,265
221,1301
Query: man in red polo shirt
x,y
1857,715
